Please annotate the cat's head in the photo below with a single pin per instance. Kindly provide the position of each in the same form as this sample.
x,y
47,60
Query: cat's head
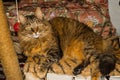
x,y
34,26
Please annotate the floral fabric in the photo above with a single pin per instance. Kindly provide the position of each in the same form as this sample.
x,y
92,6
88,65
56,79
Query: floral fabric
x,y
94,13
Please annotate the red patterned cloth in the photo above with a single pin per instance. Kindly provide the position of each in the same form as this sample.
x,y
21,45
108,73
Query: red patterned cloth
x,y
94,13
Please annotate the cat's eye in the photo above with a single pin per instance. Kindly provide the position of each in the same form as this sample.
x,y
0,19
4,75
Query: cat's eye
x,y
37,28
32,29
27,28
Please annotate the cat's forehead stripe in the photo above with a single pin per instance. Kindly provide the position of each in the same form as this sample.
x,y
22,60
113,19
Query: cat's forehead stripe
x,y
33,21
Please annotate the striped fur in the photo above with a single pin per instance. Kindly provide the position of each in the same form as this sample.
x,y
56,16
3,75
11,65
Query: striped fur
x,y
82,47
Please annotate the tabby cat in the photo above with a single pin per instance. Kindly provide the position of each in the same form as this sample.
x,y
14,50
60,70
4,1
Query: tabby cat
x,y
38,42
64,46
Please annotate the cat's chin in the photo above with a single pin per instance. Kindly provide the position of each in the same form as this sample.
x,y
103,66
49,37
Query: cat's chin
x,y
35,37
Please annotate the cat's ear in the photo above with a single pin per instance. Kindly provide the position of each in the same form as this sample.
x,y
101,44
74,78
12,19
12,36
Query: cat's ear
x,y
38,13
22,19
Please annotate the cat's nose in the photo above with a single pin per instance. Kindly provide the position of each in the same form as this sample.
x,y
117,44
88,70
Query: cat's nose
x,y
35,35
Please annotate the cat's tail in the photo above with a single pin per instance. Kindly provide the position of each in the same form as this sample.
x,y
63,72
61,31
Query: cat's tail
x,y
107,63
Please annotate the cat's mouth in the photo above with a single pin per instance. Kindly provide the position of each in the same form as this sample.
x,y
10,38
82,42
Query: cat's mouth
x,y
36,35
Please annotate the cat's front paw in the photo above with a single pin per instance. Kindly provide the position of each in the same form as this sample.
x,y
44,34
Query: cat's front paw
x,y
31,76
35,69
